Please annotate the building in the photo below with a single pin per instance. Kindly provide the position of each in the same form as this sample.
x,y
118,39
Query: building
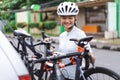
x,y
93,13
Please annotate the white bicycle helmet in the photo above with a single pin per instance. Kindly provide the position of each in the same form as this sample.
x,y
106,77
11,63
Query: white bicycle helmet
x,y
67,8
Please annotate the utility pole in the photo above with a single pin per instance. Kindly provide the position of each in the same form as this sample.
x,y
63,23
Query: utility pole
x,y
118,17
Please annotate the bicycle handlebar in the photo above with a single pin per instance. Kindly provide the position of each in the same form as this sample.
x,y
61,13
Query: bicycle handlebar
x,y
41,43
44,35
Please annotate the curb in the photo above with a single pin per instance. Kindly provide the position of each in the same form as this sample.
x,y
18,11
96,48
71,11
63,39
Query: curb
x,y
106,46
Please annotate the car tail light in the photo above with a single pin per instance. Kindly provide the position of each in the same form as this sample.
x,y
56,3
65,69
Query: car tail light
x,y
25,77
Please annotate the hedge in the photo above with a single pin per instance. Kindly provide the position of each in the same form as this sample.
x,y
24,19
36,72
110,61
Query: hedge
x,y
48,25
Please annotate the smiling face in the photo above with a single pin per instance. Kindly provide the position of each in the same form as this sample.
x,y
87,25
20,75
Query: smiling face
x,y
68,22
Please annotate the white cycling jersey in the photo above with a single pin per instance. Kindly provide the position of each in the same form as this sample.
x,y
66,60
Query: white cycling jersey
x,y
67,46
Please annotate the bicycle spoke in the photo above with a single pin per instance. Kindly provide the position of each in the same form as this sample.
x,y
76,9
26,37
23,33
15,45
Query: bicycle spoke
x,y
100,76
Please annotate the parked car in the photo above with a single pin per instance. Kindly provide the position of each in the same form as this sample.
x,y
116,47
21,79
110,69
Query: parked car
x,y
11,65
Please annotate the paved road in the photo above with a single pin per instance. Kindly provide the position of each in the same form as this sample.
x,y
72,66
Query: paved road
x,y
107,58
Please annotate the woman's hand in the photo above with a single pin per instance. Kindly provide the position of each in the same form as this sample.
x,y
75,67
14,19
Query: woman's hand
x,y
47,39
92,60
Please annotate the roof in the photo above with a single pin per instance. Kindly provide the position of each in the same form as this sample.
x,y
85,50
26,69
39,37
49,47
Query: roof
x,y
85,4
94,3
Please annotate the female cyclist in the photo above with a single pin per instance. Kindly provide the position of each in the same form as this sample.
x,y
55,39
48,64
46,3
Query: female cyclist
x,y
67,12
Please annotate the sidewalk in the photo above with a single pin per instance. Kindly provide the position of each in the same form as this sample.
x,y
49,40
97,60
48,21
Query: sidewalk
x,y
99,44
105,45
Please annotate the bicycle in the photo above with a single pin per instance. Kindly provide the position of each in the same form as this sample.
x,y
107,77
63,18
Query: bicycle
x,y
87,74
25,42
21,36
23,46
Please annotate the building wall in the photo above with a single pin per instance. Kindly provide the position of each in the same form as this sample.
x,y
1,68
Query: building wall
x,y
22,17
81,18
35,17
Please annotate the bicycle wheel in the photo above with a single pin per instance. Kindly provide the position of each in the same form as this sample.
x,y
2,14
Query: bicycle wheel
x,y
100,73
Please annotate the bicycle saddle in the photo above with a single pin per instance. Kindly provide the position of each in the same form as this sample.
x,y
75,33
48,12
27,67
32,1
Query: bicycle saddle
x,y
83,41
21,32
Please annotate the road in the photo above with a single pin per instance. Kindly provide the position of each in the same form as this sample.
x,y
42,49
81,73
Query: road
x,y
107,58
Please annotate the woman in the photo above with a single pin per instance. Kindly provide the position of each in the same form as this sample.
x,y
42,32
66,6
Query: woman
x,y
68,12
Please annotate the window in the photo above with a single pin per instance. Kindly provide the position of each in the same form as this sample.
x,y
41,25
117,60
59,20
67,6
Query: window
x,y
96,15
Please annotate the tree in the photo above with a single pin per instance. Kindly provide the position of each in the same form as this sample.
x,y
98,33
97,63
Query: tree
x,y
72,0
18,4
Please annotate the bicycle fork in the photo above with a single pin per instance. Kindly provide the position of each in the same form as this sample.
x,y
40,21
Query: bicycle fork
x,y
57,72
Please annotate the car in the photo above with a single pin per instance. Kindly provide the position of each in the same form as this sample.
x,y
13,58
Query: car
x,y
11,65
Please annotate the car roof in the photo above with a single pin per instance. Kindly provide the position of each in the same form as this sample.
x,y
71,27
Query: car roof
x,y
7,71
11,59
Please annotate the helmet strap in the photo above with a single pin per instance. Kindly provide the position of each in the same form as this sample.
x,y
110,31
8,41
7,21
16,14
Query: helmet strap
x,y
75,23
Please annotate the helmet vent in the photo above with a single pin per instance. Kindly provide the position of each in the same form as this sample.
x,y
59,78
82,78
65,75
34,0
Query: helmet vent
x,y
66,7
73,10
62,9
76,11
70,9
71,4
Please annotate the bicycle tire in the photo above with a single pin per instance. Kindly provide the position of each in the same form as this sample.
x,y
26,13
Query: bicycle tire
x,y
92,74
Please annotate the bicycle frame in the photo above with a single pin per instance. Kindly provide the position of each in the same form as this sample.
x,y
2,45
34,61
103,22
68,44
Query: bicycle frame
x,y
79,70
